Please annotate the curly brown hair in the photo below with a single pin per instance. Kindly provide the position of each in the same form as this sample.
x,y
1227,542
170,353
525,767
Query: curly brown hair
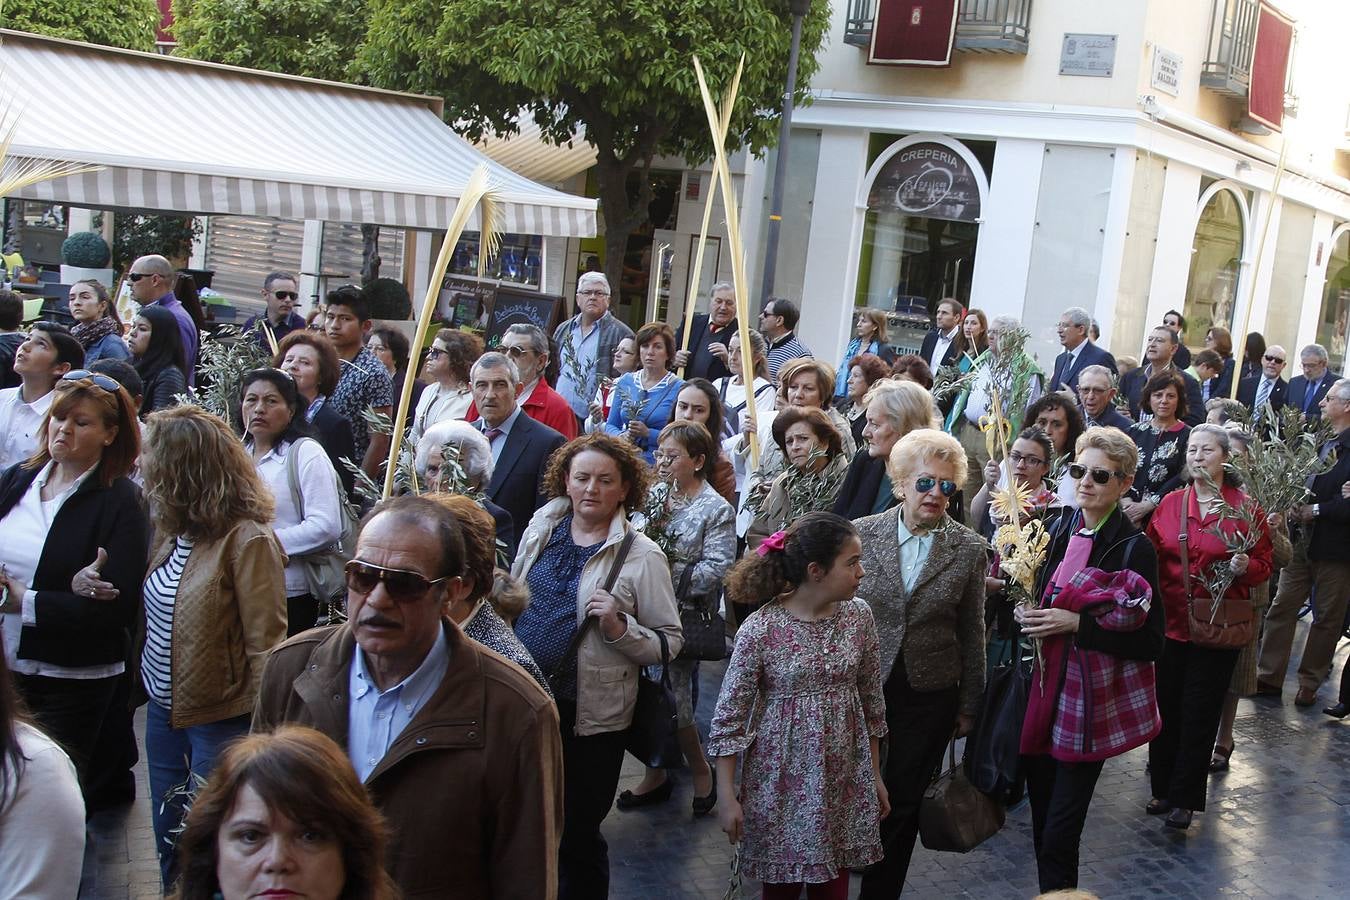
x,y
816,537
329,365
1161,381
873,367
813,418
913,367
301,774
199,480
633,470
462,350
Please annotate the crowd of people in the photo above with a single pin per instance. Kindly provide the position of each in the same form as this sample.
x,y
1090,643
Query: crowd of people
x,y
438,701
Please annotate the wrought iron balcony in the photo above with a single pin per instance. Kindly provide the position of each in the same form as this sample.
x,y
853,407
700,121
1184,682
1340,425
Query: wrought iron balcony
x,y
1227,68
990,26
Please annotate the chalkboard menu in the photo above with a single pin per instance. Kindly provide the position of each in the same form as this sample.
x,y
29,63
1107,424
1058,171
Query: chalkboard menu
x,y
511,307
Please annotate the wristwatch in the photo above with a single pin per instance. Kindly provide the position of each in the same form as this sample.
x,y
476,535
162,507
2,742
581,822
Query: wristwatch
x,y
1317,510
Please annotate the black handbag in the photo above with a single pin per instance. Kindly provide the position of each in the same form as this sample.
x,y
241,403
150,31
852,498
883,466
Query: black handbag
x,y
954,815
993,758
651,736
705,631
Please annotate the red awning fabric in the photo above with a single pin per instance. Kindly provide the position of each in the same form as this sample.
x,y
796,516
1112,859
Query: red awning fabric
x,y
1270,66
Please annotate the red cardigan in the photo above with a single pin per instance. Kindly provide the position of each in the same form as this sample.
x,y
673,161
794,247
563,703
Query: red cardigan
x,y
544,405
1205,549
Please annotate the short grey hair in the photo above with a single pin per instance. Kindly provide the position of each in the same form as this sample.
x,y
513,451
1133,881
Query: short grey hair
x,y
905,405
593,278
1079,316
721,286
1316,350
1005,323
538,340
475,453
494,360
1099,370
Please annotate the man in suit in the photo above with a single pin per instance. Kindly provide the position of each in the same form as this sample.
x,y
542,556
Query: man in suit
x,y
1159,356
709,337
1097,398
1268,387
1307,391
520,445
1323,570
1079,351
1177,322
586,345
943,345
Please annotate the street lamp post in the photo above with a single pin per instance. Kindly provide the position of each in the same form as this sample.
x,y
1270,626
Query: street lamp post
x,y
799,9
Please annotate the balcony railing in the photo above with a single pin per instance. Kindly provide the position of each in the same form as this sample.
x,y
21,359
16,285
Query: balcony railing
x,y
1228,60
992,26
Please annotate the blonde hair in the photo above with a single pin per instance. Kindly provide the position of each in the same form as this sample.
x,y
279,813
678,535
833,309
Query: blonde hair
x,y
878,319
823,371
199,480
906,405
912,450
1116,444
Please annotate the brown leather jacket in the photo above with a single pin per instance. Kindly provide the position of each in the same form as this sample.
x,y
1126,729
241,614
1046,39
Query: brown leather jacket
x,y
230,611
472,788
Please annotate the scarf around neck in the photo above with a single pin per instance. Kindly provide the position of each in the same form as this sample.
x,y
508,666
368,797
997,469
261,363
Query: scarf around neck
x,y
90,333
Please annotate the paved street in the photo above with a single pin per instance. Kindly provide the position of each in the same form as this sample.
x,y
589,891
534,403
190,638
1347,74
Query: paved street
x,y
1278,826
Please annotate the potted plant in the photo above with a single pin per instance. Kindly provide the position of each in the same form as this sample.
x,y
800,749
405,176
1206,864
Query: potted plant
x,y
85,255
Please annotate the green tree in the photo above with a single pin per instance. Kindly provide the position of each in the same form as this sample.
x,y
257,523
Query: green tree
x,y
618,69
314,38
117,23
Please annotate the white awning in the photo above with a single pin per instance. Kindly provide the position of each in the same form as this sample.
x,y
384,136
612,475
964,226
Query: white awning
x,y
186,136
529,154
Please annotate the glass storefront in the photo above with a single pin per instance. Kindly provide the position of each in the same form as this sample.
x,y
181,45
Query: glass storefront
x,y
1334,317
1216,255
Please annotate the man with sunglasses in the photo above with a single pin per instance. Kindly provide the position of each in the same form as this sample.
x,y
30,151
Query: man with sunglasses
x,y
1256,391
48,353
281,293
152,278
778,324
459,748
527,347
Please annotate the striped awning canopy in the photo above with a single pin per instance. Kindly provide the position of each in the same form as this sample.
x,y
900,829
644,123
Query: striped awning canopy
x,y
177,135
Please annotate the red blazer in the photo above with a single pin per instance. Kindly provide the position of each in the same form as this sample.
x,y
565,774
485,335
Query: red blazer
x,y
544,405
1205,549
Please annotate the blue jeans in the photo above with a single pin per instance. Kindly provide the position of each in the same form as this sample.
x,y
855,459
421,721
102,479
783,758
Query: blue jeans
x,y
172,754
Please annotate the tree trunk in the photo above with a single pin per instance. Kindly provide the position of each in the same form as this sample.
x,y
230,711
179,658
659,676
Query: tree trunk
x,y
370,253
623,214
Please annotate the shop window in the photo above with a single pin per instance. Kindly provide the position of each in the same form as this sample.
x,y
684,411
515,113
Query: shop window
x,y
1334,317
1216,262
1289,278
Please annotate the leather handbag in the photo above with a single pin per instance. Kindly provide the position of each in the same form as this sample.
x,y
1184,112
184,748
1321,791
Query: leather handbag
x,y
705,631
956,816
1226,624
651,736
993,758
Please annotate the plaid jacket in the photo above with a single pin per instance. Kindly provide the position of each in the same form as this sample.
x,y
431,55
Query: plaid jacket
x,y
1097,705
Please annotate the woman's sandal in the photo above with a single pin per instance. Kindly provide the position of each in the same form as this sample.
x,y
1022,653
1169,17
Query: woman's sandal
x,y
1219,761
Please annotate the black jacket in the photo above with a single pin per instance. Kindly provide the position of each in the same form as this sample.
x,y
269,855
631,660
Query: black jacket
x,y
80,631
9,346
953,349
702,364
1298,388
1279,392
161,388
863,480
1132,386
335,435
1110,418
517,476
1117,545
1331,528
1065,374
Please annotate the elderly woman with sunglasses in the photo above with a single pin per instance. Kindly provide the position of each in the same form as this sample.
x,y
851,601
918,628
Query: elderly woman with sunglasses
x,y
1100,620
303,482
72,558
925,583
215,602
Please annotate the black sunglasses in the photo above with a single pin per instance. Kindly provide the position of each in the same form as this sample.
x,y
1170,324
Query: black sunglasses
x,y
926,483
402,586
1101,476
99,379
134,277
1274,359
286,295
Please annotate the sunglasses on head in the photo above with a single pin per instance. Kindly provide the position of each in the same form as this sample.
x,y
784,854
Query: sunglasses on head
x,y
1100,476
286,295
99,379
402,586
926,483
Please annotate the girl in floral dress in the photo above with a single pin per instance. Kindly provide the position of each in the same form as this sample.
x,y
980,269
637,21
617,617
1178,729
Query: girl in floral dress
x,y
802,702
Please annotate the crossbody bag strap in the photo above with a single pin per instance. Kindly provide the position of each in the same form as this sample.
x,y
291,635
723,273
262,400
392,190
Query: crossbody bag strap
x,y
575,644
293,478
1183,538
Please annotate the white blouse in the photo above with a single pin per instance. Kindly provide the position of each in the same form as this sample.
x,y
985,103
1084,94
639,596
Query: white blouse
x,y
41,822
318,484
436,405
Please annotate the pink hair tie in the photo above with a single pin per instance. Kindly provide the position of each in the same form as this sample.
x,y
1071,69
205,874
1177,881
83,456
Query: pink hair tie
x,y
774,543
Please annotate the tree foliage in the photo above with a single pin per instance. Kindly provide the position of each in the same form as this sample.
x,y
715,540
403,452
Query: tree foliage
x,y
315,38
129,24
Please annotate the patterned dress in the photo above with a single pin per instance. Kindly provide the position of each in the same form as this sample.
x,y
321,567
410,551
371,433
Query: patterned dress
x,y
1162,460
801,700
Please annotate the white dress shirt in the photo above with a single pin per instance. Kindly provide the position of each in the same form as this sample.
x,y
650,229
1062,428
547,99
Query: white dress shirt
x,y
19,424
499,441
322,522
940,348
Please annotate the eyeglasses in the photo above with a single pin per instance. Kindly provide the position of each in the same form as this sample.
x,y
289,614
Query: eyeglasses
x,y
925,483
134,277
433,352
1083,389
286,295
516,352
1100,476
661,457
1273,359
99,379
767,314
592,293
402,586
1019,458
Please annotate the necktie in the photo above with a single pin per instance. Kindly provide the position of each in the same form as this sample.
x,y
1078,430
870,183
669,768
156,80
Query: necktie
x,y
491,434
1309,394
1263,394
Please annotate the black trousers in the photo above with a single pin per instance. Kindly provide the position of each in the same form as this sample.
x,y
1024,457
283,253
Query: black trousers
x,y
70,710
1192,682
1060,793
921,723
591,767
302,613
111,780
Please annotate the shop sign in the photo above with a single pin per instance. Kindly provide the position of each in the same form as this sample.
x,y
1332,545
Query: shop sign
x,y
1166,71
927,179
1093,55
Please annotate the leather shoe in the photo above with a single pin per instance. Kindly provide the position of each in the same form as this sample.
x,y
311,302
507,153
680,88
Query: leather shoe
x,y
1179,819
1266,689
1156,807
1339,711
1305,697
704,805
630,800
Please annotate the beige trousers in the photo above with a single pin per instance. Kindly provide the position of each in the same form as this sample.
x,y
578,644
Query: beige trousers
x,y
1329,583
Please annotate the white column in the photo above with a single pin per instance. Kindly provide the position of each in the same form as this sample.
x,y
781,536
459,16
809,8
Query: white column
x,y
1003,252
1313,287
1113,242
1263,269
79,219
1176,234
310,252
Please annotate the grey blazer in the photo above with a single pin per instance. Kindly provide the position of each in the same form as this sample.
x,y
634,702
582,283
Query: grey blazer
x,y
940,625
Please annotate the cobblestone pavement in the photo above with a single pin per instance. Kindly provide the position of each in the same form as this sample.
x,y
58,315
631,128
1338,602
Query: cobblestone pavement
x,y
1278,825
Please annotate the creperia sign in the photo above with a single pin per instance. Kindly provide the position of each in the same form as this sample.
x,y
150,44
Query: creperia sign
x,y
927,179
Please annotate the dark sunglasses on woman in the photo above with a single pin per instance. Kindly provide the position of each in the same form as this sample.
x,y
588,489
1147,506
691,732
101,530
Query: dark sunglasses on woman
x,y
926,483
98,378
1101,476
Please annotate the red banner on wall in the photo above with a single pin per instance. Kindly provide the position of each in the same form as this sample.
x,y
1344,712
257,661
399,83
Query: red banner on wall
x,y
1270,66
913,33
